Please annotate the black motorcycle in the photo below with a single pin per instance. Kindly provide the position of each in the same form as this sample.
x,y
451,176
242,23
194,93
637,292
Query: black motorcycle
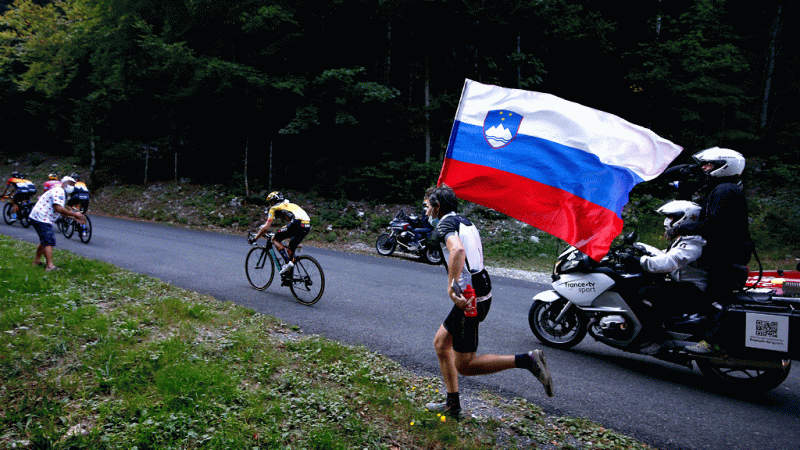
x,y
401,233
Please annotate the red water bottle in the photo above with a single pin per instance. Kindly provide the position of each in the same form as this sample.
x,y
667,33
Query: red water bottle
x,y
469,294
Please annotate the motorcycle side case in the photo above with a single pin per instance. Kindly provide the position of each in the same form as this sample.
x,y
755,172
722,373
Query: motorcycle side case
x,y
760,331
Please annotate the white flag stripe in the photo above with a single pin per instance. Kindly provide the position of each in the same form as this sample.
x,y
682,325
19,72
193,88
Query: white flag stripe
x,y
614,140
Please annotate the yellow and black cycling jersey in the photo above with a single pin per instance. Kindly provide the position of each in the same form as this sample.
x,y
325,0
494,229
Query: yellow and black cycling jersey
x,y
290,212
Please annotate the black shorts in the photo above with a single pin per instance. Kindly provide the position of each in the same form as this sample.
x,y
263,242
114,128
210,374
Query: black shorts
x,y
83,204
20,197
465,329
45,231
295,230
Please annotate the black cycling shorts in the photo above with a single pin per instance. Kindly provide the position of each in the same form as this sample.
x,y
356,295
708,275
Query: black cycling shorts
x,y
295,230
465,329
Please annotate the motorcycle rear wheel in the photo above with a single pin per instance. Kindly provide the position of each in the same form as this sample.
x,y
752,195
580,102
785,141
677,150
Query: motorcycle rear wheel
x,y
565,334
385,244
755,380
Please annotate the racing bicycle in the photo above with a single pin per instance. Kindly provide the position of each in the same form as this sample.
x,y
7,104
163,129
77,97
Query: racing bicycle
x,y
306,280
25,207
68,227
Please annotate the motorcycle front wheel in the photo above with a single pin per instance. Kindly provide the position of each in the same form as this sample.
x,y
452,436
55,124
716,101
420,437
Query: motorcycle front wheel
x,y
385,244
433,255
565,334
753,380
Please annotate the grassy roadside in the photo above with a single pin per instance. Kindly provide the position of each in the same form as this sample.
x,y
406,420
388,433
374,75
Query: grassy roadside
x,y
97,357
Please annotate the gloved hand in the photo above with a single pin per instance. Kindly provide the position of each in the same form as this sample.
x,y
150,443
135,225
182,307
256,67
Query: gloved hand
x,y
631,263
691,170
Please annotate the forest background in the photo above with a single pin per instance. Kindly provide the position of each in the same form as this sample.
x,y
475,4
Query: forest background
x,y
356,99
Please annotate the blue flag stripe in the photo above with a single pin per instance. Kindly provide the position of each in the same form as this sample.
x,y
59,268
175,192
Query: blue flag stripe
x,y
580,173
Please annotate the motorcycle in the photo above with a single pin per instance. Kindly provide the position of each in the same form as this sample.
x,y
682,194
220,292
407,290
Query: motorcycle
x,y
400,233
597,298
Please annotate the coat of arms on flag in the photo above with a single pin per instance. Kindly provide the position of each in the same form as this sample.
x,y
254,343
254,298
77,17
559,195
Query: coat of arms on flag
x,y
500,127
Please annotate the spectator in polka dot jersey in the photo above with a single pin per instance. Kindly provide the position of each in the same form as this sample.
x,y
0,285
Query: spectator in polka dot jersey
x,y
44,214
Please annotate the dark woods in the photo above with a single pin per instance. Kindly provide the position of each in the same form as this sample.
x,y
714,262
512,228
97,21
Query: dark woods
x,y
357,98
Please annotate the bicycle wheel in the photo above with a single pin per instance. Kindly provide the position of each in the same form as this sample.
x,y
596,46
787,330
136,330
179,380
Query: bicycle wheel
x,y
62,226
69,228
259,267
85,231
308,280
7,214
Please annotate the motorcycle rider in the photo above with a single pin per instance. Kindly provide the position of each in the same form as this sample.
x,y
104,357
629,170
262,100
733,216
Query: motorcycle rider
x,y
680,262
421,228
724,225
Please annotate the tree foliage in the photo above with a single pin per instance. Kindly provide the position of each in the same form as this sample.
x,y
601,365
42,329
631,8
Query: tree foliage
x,y
341,88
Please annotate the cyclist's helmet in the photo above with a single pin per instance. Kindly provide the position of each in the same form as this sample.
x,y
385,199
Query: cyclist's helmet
x,y
727,162
679,212
16,175
274,198
52,176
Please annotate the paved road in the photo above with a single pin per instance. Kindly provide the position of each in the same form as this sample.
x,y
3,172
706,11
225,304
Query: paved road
x,y
394,306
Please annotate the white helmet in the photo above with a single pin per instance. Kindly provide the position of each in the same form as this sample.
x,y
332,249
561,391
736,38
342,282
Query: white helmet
x,y
679,212
727,162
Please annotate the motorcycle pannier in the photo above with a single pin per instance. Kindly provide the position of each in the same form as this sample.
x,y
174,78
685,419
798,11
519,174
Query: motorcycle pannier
x,y
760,331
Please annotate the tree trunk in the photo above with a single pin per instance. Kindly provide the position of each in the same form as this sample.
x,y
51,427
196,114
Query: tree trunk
x,y
269,184
92,155
427,113
246,181
146,161
771,53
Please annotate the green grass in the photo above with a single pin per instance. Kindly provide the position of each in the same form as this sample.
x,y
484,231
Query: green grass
x,y
97,357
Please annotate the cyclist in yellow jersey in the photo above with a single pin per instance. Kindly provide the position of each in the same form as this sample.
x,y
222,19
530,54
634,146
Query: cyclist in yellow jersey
x,y
297,229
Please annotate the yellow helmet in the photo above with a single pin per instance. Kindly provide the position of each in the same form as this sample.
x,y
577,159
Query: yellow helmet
x,y
274,198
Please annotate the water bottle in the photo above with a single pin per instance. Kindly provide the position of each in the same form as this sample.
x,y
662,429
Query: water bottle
x,y
469,294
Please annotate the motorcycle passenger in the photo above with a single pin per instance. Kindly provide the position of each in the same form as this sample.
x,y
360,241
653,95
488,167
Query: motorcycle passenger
x,y
725,227
680,262
298,227
20,190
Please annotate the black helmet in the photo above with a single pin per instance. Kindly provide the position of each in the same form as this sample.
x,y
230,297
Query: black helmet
x,y
16,175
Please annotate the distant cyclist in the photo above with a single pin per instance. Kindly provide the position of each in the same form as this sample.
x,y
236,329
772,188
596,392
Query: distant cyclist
x,y
19,189
52,181
298,227
79,196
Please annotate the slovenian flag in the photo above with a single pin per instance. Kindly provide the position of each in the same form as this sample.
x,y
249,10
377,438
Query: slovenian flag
x,y
561,167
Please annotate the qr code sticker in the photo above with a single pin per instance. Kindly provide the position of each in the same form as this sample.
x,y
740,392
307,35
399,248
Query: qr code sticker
x,y
766,328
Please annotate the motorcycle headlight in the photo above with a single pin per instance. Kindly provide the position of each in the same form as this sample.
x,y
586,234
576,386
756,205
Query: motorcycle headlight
x,y
576,261
570,265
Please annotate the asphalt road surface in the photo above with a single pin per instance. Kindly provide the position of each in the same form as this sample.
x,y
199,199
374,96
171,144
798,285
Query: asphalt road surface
x,y
395,305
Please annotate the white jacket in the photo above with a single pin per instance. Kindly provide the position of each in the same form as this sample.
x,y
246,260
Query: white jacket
x,y
678,260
